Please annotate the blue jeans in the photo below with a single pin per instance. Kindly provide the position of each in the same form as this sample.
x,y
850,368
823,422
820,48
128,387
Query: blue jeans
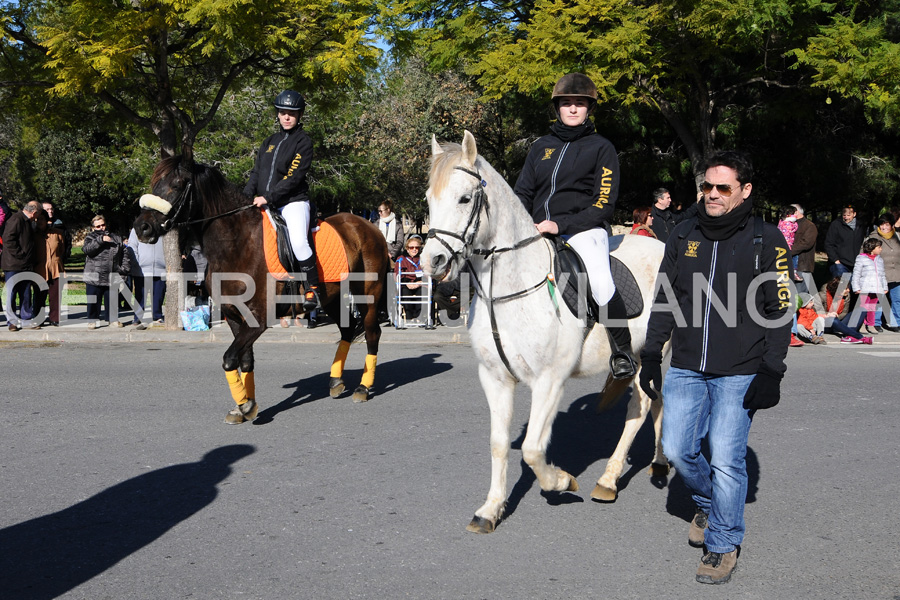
x,y
837,269
894,316
701,406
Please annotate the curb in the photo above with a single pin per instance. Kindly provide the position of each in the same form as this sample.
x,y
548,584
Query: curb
x,y
221,334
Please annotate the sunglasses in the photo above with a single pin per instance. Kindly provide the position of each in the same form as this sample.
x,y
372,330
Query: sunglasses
x,y
724,188
415,247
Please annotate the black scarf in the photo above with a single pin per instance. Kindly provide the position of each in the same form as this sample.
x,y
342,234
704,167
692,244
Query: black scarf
x,y
722,228
568,133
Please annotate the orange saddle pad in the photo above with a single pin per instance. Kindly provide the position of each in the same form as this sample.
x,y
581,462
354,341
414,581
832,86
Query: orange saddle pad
x,y
331,258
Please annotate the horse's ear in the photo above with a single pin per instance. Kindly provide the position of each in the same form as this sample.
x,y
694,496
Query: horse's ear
x,y
469,150
435,147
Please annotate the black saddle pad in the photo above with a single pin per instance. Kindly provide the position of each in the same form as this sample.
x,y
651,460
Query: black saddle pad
x,y
571,277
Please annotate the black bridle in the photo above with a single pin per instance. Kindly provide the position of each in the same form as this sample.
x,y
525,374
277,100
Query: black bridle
x,y
185,204
467,237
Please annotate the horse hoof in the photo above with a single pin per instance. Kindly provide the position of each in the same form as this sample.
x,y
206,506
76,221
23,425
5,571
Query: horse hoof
x,y
245,412
657,470
361,394
603,494
480,525
573,484
249,409
234,417
336,386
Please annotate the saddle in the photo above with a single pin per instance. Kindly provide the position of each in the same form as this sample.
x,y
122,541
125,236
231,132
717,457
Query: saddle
x,y
331,258
574,286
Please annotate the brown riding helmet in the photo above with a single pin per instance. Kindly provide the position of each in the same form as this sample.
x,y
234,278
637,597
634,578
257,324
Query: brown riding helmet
x,y
575,84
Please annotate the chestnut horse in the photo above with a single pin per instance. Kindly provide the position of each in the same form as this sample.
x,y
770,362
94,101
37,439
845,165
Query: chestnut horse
x,y
187,194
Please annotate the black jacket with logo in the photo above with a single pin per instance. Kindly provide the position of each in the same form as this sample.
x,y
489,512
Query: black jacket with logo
x,y
279,173
575,184
736,331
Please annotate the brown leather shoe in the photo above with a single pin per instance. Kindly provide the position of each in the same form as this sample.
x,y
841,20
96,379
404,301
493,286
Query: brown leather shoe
x,y
717,568
696,535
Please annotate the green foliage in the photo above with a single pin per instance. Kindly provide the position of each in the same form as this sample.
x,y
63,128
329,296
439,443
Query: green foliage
x,y
860,59
167,64
86,173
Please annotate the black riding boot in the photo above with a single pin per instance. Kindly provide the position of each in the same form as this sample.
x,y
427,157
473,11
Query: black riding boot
x,y
311,298
621,361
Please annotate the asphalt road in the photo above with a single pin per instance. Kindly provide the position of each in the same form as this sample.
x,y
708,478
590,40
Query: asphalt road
x,y
120,480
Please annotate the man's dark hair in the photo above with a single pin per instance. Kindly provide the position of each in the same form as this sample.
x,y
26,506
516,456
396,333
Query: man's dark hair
x,y
733,160
659,193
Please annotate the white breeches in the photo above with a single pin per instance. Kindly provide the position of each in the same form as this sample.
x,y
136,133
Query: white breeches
x,y
296,215
593,248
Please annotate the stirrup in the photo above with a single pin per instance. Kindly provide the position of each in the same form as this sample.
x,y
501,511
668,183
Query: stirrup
x,y
311,300
622,365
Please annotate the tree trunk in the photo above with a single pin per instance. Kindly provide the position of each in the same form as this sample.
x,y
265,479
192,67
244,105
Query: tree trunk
x,y
172,307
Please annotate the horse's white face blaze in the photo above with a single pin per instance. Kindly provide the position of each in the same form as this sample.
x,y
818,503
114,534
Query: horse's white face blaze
x,y
450,209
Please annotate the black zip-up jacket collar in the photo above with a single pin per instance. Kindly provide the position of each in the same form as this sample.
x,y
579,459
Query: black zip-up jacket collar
x,y
703,305
575,183
279,173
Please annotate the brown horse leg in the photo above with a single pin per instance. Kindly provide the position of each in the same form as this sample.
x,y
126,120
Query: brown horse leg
x,y
241,383
373,336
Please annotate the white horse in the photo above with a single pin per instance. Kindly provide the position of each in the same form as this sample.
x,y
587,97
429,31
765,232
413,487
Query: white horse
x,y
515,327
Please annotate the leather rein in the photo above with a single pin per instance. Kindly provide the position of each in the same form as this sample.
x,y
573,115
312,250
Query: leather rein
x,y
467,238
186,200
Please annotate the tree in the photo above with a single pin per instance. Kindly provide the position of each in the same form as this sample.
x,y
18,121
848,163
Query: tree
x,y
857,55
166,65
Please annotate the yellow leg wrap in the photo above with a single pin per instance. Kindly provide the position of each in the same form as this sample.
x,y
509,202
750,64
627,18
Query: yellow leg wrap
x,y
237,387
368,377
249,385
340,357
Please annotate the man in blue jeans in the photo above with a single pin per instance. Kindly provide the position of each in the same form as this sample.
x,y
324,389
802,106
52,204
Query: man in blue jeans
x,y
728,350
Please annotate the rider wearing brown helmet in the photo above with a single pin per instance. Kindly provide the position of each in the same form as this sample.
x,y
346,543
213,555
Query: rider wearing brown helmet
x,y
569,185
278,180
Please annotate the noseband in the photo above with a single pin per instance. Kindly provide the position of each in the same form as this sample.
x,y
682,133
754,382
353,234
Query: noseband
x,y
466,236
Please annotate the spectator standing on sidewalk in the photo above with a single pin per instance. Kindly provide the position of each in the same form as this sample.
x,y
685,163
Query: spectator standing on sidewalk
x,y
869,281
152,262
842,242
804,247
102,250
50,248
890,254
18,256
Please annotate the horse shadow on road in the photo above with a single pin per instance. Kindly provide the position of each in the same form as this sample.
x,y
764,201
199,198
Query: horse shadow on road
x,y
582,437
50,555
389,376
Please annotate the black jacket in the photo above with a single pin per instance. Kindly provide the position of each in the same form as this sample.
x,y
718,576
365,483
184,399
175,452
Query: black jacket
x,y
103,258
279,173
716,341
18,244
843,243
575,184
664,222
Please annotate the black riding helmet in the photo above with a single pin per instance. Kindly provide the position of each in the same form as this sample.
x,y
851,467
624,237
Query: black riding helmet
x,y
578,85
290,100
